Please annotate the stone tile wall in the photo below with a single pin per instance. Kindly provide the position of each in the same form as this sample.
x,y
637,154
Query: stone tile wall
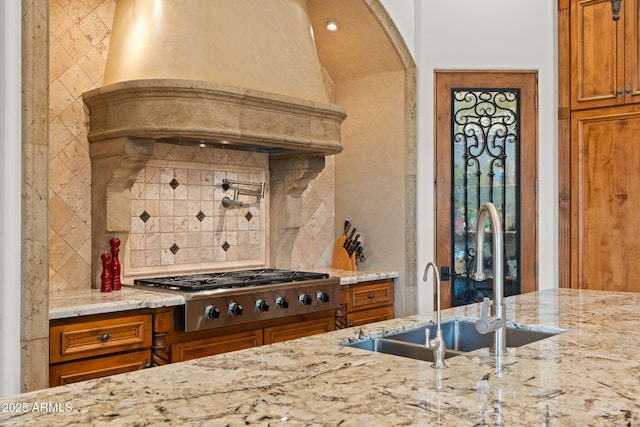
x,y
79,38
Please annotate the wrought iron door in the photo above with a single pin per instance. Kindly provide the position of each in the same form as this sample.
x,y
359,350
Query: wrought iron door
x,y
485,165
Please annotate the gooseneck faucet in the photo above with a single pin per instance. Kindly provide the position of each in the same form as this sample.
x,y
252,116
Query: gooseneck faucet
x,y
436,344
496,323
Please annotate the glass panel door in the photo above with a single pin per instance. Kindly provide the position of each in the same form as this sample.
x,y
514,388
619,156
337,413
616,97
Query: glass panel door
x,y
485,168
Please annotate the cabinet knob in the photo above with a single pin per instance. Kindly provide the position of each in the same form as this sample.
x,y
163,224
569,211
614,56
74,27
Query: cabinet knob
x,y
103,337
619,91
627,90
371,296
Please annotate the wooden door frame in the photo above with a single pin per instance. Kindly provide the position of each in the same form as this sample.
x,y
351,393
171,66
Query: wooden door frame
x,y
444,80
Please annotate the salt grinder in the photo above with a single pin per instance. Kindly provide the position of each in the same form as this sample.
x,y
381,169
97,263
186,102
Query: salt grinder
x,y
105,277
115,264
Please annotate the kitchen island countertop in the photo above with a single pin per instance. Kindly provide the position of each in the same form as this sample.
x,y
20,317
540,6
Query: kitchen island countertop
x,y
588,375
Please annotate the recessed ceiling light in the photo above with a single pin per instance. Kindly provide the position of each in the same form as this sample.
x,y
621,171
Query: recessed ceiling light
x,y
332,25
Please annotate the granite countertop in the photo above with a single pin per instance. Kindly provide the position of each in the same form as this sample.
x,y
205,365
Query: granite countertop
x,y
588,375
65,304
348,277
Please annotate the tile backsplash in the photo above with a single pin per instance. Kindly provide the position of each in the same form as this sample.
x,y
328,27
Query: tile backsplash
x,y
179,225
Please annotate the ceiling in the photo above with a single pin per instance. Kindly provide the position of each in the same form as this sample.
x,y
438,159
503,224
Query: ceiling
x,y
359,48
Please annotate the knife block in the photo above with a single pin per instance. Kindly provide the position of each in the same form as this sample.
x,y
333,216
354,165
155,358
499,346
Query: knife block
x,y
341,259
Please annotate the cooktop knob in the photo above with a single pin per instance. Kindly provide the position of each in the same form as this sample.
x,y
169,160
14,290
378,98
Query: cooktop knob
x,y
212,312
282,302
305,299
323,296
235,309
262,305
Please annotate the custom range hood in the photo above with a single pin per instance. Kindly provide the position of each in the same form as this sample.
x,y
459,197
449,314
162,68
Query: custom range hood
x,y
242,75
237,74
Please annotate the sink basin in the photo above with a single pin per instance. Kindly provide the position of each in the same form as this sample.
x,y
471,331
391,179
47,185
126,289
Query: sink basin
x,y
460,336
399,348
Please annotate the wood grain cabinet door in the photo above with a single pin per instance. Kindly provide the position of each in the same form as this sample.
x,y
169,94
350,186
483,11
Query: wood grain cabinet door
x,y
298,330
597,54
632,51
606,199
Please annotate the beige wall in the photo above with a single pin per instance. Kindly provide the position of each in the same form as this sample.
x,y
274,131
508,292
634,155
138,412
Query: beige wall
x,y
371,174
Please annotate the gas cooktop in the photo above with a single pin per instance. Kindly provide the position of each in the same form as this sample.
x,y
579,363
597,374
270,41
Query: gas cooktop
x,y
229,279
229,298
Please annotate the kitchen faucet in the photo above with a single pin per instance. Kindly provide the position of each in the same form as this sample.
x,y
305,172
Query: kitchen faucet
x,y
496,323
436,344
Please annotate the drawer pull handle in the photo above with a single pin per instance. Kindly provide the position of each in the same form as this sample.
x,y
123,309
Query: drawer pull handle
x,y
371,296
104,337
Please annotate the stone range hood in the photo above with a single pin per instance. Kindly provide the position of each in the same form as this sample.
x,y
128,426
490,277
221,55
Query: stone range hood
x,y
168,80
200,112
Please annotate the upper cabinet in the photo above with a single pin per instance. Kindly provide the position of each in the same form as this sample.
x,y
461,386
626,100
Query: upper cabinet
x,y
605,62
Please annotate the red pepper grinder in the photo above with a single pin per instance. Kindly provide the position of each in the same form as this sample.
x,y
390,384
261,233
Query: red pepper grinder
x,y
105,277
115,264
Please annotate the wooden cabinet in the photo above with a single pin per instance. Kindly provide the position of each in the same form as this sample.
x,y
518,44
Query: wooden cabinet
x,y
95,346
365,302
604,54
599,127
171,345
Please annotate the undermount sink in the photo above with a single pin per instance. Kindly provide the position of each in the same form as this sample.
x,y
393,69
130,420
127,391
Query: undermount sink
x,y
460,336
400,348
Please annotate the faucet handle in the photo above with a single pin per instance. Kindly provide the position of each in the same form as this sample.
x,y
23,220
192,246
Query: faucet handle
x,y
486,324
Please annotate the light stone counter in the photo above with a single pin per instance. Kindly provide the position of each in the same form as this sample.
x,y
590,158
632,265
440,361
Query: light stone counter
x,y
63,304
587,376
348,277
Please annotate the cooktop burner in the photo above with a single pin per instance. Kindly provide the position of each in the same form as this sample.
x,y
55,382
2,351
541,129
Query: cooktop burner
x,y
229,279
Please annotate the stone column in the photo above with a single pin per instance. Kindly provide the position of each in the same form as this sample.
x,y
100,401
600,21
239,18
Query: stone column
x,y
290,176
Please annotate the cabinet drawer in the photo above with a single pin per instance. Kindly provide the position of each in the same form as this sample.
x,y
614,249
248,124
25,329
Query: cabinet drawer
x,y
67,373
210,346
95,338
298,330
370,295
369,316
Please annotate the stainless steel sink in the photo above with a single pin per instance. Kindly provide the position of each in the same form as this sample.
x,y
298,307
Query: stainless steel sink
x,y
399,348
460,336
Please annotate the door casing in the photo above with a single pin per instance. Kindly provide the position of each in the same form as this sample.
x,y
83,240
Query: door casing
x,y
527,82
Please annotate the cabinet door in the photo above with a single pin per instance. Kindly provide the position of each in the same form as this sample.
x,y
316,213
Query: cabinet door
x,y
216,345
632,51
67,373
363,317
597,54
298,330
605,199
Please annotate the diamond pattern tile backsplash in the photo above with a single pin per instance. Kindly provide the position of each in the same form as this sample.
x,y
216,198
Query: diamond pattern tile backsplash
x,y
186,227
